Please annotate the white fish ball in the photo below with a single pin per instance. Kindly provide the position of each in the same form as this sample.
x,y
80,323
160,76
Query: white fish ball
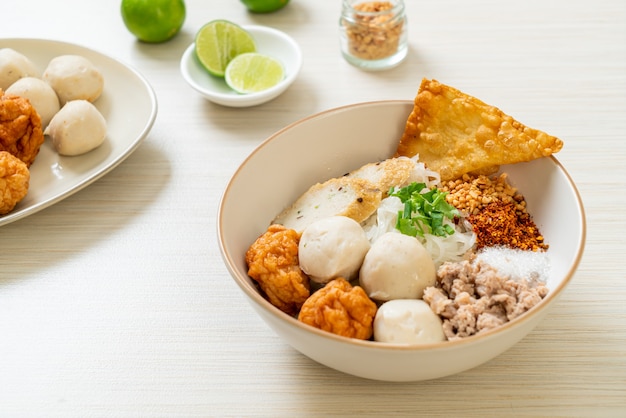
x,y
407,321
77,128
13,66
332,247
40,94
397,266
74,77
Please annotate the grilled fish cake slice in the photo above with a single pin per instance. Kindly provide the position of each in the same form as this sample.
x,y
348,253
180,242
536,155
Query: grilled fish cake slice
x,y
344,196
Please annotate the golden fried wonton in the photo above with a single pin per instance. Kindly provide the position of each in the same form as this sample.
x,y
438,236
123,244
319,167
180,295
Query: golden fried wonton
x,y
455,133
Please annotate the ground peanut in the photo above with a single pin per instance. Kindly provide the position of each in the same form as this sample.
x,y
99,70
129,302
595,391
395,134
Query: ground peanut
x,y
471,194
496,210
373,35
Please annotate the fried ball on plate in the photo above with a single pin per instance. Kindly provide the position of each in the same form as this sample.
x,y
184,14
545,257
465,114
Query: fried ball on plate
x,y
40,94
273,263
341,309
20,128
14,181
13,66
74,77
77,128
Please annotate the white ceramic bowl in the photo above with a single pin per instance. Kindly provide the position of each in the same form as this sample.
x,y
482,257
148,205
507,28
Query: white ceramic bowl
x,y
334,142
269,41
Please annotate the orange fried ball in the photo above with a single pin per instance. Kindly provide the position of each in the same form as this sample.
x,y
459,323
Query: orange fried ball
x,y
14,180
341,309
273,262
20,128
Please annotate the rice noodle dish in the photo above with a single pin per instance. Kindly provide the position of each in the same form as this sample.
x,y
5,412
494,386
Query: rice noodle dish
x,y
450,247
429,245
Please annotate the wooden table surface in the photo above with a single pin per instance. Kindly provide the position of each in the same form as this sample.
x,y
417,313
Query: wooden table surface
x,y
115,301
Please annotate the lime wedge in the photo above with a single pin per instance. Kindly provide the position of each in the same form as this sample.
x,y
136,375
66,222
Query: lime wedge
x,y
218,42
253,72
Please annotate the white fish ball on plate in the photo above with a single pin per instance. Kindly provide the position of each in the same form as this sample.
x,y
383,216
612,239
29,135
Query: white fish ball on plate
x,y
40,94
74,77
77,128
332,247
397,266
407,321
13,66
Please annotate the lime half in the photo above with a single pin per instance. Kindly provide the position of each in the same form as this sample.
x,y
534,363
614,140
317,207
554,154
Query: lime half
x,y
253,72
218,42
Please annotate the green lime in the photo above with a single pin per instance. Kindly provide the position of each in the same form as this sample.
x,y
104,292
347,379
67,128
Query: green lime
x,y
253,72
264,6
218,42
153,20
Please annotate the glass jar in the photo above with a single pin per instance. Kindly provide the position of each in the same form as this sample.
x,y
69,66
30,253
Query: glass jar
x,y
373,34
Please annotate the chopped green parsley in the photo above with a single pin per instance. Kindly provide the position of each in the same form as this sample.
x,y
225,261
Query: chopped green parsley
x,y
424,211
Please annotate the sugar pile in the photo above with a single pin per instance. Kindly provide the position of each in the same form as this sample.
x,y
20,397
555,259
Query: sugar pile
x,y
516,264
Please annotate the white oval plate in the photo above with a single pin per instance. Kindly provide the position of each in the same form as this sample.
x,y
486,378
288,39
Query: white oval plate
x,y
269,41
129,106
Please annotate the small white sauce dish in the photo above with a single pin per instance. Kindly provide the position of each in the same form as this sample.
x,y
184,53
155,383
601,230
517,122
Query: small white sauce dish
x,y
269,41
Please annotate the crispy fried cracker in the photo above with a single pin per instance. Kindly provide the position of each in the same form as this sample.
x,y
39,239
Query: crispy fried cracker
x,y
455,134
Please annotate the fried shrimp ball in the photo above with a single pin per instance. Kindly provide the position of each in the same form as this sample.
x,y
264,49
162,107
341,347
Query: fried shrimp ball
x,y
20,128
14,181
273,262
341,309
